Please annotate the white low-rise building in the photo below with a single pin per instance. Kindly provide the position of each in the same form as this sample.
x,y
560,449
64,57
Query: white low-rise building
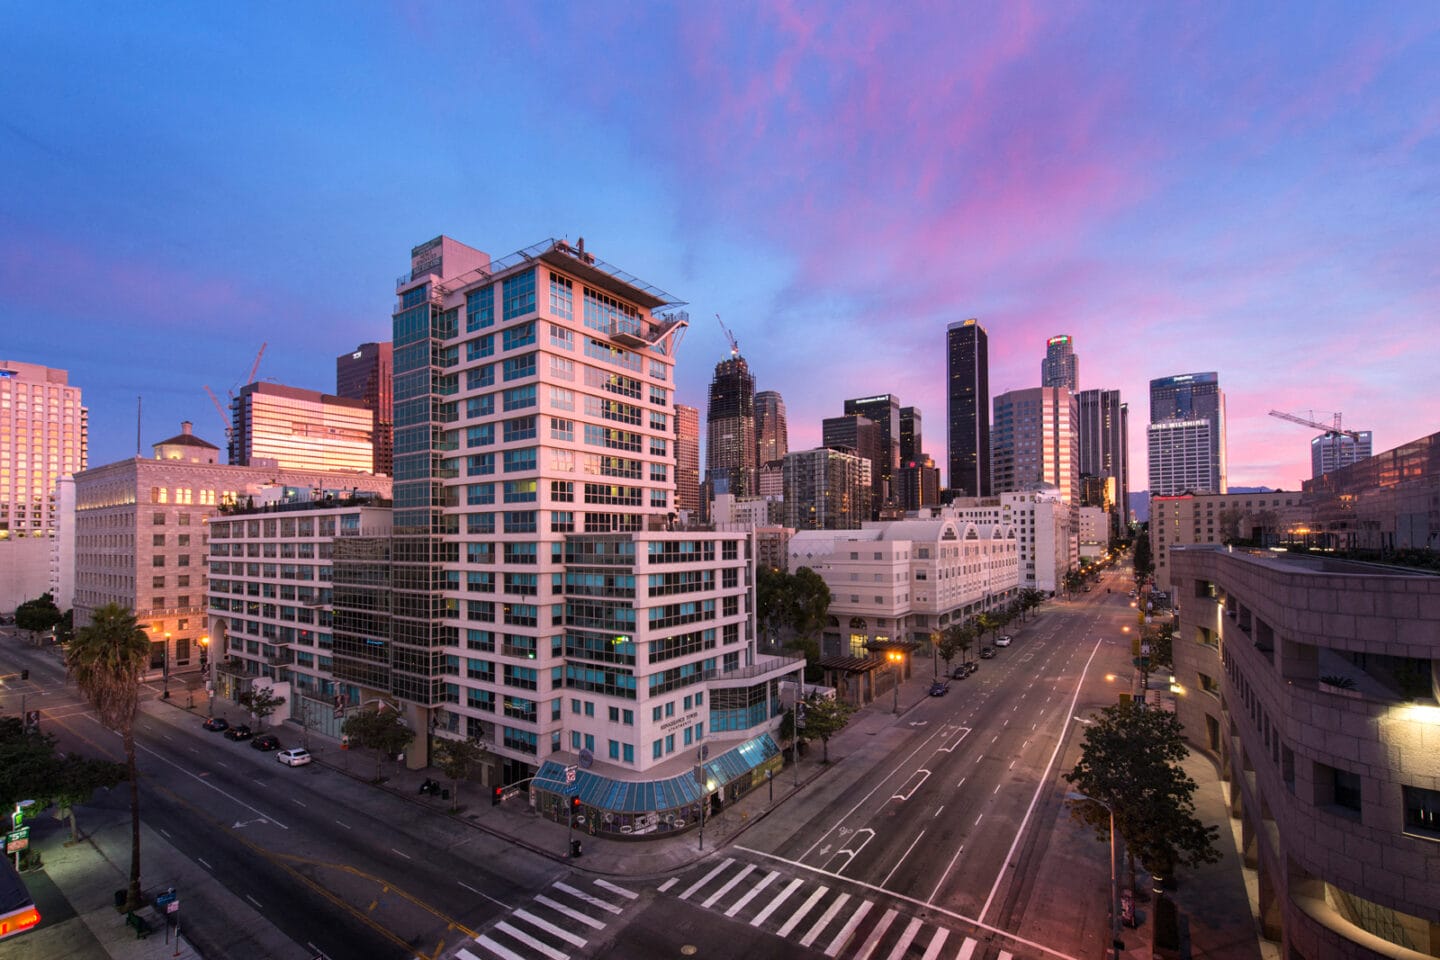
x,y
1044,531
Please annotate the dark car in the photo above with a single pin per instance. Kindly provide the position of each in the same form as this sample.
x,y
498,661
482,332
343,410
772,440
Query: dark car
x,y
960,672
939,688
240,731
986,653
216,723
266,741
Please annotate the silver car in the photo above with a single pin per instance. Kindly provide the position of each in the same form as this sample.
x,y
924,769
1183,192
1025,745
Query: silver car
x,y
295,757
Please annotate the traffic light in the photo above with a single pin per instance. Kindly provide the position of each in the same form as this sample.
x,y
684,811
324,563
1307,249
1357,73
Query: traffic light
x,y
495,797
574,803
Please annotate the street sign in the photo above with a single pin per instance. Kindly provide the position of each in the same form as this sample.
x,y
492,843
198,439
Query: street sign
x,y
570,773
18,839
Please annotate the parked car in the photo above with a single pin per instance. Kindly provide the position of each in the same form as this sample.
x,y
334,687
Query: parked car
x,y
216,723
241,731
1004,640
960,672
266,741
294,757
939,688
986,653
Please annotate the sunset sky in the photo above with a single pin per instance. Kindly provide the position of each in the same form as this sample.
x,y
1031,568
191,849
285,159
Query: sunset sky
x,y
1250,189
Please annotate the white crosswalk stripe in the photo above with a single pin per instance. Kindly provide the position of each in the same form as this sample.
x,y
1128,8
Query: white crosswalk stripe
x,y
824,916
552,925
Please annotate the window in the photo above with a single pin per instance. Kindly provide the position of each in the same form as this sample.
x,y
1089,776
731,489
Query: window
x,y
157,582
520,491
482,406
517,368
477,377
520,428
562,399
480,347
479,309
158,540
561,337
562,429
517,398
480,493
1422,811
562,521
518,293
518,336
519,460
562,368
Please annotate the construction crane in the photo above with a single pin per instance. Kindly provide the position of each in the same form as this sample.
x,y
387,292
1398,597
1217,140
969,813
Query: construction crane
x,y
255,368
224,418
1332,428
734,344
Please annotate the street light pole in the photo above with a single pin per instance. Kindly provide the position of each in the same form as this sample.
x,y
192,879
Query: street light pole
x,y
1115,943
896,658
165,667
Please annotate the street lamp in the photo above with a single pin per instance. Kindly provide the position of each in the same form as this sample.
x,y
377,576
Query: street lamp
x,y
1115,942
165,667
896,657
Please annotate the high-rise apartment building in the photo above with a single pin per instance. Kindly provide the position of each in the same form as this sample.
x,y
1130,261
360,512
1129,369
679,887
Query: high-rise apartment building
x,y
826,489
858,434
1103,427
912,446
884,412
687,459
368,373
730,448
1034,441
43,437
1331,451
1186,435
967,411
1060,368
771,437
300,429
543,598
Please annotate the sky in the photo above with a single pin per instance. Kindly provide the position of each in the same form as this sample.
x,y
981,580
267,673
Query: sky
x,y
1249,189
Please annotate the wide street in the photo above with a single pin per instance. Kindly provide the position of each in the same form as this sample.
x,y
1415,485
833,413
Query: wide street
x,y
928,836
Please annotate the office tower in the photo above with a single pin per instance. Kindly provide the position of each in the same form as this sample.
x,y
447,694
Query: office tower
x,y
367,374
860,435
771,438
1331,451
967,408
687,459
826,489
300,429
912,447
43,437
1186,435
1035,442
884,412
730,448
918,484
1060,368
533,546
1103,427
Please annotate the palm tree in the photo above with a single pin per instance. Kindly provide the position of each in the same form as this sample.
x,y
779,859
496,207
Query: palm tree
x,y
106,660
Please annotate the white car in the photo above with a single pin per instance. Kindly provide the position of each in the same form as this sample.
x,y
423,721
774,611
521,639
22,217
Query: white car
x,y
1003,641
296,757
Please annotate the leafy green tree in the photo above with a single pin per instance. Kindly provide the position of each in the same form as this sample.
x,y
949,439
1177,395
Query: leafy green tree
x,y
35,770
1130,759
824,718
106,660
955,640
262,702
811,603
460,760
1030,598
383,731
772,600
38,615
987,622
1162,646
1142,559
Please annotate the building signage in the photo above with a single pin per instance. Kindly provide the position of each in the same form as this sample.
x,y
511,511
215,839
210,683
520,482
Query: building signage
x,y
684,721
425,258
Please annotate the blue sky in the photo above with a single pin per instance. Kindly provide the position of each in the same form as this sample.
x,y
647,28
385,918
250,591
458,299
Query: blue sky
x,y
1250,190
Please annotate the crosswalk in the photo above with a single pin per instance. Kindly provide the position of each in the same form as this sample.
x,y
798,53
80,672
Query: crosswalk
x,y
556,925
815,914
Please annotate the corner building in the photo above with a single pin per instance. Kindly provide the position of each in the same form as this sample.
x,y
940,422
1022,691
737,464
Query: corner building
x,y
543,598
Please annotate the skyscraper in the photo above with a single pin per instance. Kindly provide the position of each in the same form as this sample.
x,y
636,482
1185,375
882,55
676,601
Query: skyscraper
x,y
1035,442
1186,435
912,447
771,437
1331,451
44,436
687,459
1104,427
300,429
1060,368
730,448
967,410
884,411
859,435
367,374
826,489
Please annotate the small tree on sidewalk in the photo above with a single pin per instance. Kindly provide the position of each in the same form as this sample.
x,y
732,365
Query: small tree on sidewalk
x,y
262,702
824,718
383,731
460,760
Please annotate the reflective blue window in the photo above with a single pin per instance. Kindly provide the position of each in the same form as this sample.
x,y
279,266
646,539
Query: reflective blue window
x,y
518,367
519,294
479,309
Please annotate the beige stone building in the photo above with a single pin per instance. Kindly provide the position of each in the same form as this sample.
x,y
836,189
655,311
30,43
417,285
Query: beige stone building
x,y
1312,682
1187,519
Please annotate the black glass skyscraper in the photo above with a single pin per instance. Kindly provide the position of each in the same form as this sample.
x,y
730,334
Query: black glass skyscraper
x,y
968,408
730,448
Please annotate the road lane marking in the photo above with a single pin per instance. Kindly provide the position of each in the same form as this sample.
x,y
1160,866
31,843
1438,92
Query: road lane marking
x,y
937,811
936,943
581,895
343,824
961,783
714,898
964,732
200,779
903,943
773,905
258,904
405,855
813,933
575,915
902,858
906,795
531,942
297,802
498,903
751,893
668,884
550,928
493,947
204,864
978,819
850,854
799,914
705,879
607,885
165,833
848,931
946,872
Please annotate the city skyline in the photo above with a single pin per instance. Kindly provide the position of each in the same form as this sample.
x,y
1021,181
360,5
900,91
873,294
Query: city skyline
x,y
1204,199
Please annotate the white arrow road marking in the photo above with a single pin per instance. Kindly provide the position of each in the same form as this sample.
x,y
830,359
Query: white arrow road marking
x,y
849,853
905,795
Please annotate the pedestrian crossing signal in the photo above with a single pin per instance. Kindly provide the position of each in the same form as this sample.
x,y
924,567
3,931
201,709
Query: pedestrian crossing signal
x,y
497,796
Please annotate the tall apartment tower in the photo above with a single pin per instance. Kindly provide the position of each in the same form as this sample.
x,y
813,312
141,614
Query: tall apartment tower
x,y
532,541
826,489
43,438
368,373
1331,451
1186,435
687,459
967,410
1035,441
771,438
912,447
884,412
1060,368
730,448
300,429
861,436
1104,429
